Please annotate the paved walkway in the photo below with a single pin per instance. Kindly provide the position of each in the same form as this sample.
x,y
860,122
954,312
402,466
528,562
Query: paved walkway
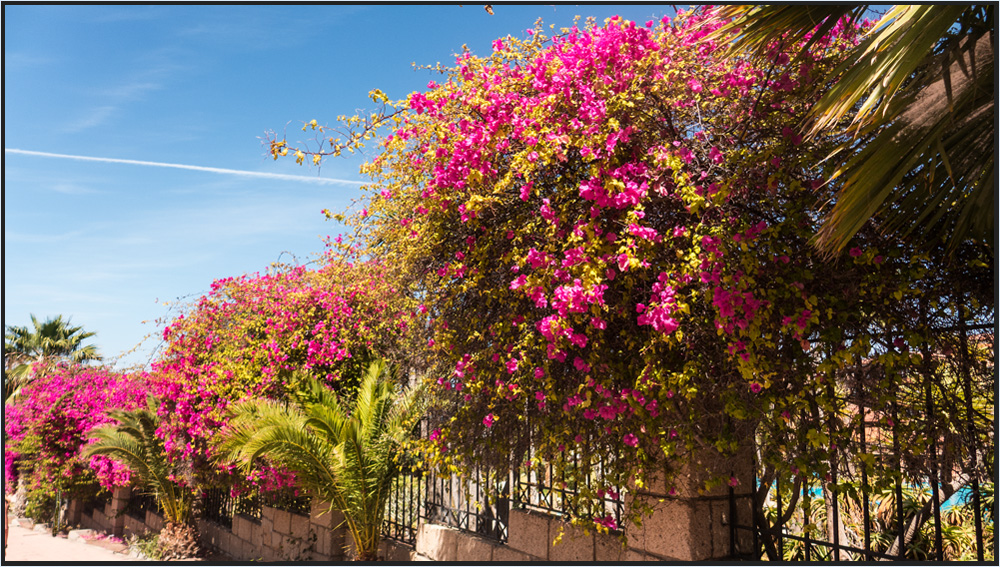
x,y
28,545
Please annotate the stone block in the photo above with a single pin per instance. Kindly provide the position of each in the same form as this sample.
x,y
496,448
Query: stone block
x,y
504,554
319,513
73,512
119,500
722,537
101,519
678,528
224,542
268,554
394,551
471,548
299,549
282,522
250,550
266,526
255,534
437,542
237,528
331,520
265,536
298,526
688,479
632,555
574,545
529,532
77,534
324,540
608,548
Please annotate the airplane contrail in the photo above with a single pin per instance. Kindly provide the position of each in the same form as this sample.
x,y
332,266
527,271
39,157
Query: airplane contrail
x,y
303,178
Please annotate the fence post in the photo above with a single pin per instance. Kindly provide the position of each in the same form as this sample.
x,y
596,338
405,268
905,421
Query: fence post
x,y
116,513
692,524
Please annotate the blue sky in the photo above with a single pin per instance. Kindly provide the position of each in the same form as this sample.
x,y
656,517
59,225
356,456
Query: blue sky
x,y
108,242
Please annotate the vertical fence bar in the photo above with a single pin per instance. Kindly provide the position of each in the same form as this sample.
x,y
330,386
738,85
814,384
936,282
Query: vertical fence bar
x,y
927,372
971,428
833,523
781,529
753,509
936,502
899,485
865,512
805,517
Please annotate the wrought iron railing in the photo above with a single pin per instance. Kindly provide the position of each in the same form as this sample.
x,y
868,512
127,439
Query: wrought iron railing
x,y
405,501
880,502
479,503
288,500
139,502
547,488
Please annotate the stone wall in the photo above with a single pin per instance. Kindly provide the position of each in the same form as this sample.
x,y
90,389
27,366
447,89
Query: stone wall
x,y
531,538
108,519
279,535
688,523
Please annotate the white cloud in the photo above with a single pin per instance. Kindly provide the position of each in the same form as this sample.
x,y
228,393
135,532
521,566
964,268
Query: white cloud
x,y
73,189
95,117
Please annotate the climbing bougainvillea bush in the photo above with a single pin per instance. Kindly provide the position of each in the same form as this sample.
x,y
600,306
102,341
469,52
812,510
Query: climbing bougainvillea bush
x,y
253,335
610,229
48,424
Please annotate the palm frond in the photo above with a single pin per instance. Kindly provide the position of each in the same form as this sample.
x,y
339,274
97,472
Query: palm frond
x,y
343,457
918,92
133,442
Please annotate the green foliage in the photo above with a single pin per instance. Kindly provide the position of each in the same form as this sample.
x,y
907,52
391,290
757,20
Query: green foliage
x,y
134,442
148,545
918,87
611,231
30,352
344,455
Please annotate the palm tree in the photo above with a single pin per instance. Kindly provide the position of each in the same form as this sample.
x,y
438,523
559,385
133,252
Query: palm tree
x,y
343,456
134,442
920,148
30,351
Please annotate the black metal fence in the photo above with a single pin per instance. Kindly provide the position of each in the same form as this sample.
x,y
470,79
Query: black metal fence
x,y
479,503
406,500
885,497
544,488
220,506
138,503
288,500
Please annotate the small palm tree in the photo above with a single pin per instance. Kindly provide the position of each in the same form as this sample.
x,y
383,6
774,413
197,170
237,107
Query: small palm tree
x,y
29,351
134,442
343,456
